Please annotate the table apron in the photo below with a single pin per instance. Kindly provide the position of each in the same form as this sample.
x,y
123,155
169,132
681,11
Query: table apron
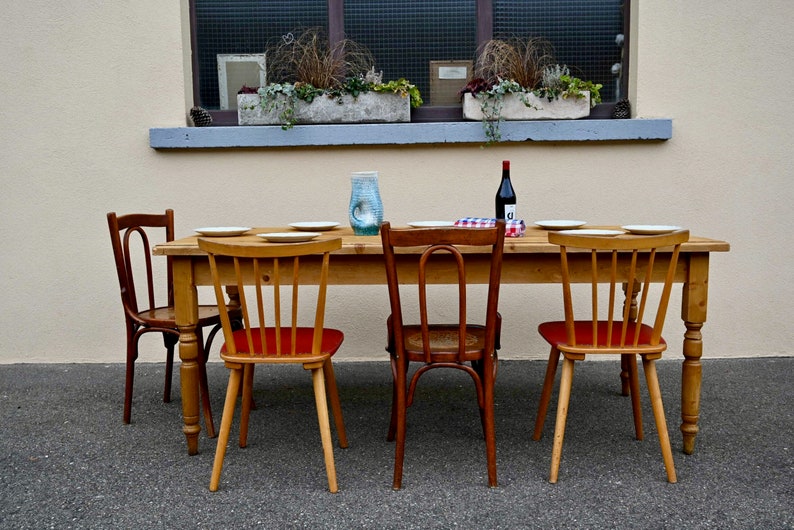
x,y
370,270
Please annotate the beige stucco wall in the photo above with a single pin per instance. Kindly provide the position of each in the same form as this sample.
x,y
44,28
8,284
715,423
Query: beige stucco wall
x,y
82,82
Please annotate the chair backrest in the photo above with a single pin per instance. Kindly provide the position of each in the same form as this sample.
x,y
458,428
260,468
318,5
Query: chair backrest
x,y
129,236
285,267
631,260
445,248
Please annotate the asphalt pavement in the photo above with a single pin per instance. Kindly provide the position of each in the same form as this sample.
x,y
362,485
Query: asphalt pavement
x,y
67,461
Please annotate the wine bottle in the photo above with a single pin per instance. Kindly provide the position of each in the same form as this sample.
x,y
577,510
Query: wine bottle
x,y
505,196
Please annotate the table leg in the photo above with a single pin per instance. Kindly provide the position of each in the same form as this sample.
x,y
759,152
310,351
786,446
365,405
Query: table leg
x,y
693,313
186,314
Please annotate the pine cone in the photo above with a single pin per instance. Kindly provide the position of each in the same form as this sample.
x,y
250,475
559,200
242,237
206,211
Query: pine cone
x,y
201,117
622,110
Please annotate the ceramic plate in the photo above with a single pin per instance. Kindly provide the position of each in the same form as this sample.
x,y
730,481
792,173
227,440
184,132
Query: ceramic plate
x,y
289,237
559,224
593,232
430,224
311,226
650,229
220,231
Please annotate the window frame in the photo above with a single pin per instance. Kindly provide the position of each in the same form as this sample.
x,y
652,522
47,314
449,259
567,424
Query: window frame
x,y
424,114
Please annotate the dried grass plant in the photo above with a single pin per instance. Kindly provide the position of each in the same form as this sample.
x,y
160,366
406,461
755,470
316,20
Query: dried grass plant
x,y
520,60
309,58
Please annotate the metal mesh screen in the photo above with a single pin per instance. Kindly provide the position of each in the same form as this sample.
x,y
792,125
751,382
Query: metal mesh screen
x,y
246,26
406,35
582,32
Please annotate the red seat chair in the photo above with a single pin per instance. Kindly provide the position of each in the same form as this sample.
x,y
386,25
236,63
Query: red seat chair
x,y
264,339
597,329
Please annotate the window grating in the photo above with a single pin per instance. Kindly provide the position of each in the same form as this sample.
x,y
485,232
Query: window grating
x,y
582,32
245,26
405,35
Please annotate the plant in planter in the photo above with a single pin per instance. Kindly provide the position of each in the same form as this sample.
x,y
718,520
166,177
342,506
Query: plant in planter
x,y
520,79
332,80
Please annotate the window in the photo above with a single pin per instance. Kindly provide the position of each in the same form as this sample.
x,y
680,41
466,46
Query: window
x,y
429,42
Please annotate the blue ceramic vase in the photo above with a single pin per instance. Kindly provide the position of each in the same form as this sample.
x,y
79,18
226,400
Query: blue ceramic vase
x,y
366,208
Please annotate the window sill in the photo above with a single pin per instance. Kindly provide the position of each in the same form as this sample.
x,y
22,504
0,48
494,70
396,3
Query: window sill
x,y
587,130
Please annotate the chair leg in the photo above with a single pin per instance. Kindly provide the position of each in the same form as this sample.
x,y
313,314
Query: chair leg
x,y
169,365
624,375
318,380
336,406
562,415
634,391
247,399
545,393
235,374
489,426
129,377
393,419
398,414
478,368
649,367
204,391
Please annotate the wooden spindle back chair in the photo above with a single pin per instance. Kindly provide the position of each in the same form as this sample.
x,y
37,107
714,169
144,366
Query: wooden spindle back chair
x,y
272,332
608,326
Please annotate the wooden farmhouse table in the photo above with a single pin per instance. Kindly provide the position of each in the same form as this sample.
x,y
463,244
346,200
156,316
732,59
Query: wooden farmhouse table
x,y
528,259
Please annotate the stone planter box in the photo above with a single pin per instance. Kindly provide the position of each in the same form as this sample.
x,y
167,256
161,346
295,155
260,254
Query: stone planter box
x,y
513,108
369,107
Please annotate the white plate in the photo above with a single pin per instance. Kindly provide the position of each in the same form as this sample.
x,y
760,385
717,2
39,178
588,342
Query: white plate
x,y
593,232
430,224
559,224
220,231
310,226
289,237
650,229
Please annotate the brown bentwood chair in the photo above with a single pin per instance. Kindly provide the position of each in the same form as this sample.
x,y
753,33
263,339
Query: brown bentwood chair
x,y
461,345
129,236
627,258
264,339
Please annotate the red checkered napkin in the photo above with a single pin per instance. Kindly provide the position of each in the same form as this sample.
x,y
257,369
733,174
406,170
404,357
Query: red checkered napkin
x,y
513,228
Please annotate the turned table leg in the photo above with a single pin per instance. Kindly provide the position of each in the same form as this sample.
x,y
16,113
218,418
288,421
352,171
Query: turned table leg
x,y
691,375
693,313
186,314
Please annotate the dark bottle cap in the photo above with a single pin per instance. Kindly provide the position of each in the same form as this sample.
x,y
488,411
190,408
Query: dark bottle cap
x,y
505,164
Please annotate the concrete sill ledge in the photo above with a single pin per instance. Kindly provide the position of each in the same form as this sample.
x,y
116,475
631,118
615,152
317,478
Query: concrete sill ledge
x,y
409,133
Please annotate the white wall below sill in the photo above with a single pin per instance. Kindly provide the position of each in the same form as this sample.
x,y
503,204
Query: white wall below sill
x,y
409,133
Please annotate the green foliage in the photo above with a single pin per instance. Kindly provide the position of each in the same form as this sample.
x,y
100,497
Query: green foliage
x,y
570,86
521,66
285,96
281,97
491,101
403,87
557,83
308,67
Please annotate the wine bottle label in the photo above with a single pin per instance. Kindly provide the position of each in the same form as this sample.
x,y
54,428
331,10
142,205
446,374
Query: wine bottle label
x,y
510,212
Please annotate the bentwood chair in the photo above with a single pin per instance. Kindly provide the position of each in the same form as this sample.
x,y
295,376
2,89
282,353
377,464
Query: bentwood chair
x,y
608,328
129,236
460,345
265,339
